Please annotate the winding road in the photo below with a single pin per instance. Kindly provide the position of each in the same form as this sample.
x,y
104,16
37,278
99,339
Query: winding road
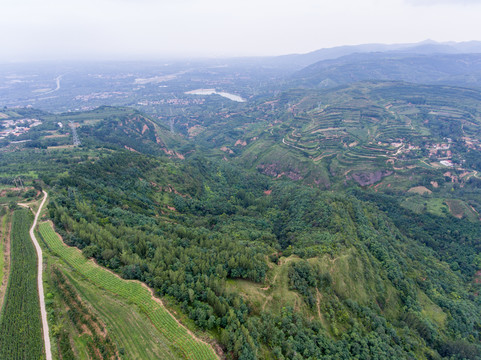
x,y
43,311
57,81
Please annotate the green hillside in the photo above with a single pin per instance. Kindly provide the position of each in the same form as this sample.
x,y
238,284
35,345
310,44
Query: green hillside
x,y
310,225
332,269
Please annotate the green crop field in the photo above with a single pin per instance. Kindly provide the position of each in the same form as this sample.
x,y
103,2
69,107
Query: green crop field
x,y
3,234
133,292
132,330
5,219
20,326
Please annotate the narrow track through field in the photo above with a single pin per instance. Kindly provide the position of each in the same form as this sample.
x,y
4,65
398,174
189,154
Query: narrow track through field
x,y
43,311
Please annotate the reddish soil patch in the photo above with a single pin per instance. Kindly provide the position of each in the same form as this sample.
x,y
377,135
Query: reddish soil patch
x,y
4,191
268,192
130,149
274,171
477,277
240,142
173,153
226,149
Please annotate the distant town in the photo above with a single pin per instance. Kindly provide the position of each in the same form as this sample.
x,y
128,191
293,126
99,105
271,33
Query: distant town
x,y
17,127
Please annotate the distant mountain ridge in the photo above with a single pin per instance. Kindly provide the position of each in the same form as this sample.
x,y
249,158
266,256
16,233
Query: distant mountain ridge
x,y
446,69
424,47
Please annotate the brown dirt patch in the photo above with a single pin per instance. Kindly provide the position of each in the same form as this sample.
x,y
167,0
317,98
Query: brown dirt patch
x,y
55,136
60,147
318,305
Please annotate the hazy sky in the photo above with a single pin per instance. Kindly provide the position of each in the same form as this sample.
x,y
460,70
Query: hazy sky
x,y
109,29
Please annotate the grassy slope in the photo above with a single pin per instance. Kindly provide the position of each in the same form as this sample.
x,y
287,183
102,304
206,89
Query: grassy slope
x,y
439,206
352,278
344,269
273,295
127,293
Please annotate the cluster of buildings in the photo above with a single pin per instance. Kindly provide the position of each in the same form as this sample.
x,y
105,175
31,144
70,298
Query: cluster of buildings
x,y
437,152
172,102
101,95
472,143
442,153
17,127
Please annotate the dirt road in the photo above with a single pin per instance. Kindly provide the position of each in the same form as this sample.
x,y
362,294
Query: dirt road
x,y
43,311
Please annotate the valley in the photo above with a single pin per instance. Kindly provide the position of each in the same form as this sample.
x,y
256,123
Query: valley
x,y
265,215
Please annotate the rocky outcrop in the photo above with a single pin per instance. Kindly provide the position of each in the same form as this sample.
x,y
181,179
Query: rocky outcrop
x,y
369,178
275,170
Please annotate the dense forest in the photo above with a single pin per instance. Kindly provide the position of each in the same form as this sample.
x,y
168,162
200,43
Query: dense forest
x,y
188,228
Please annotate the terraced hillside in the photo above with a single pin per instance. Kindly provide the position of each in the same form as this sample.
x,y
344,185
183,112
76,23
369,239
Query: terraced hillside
x,y
365,132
